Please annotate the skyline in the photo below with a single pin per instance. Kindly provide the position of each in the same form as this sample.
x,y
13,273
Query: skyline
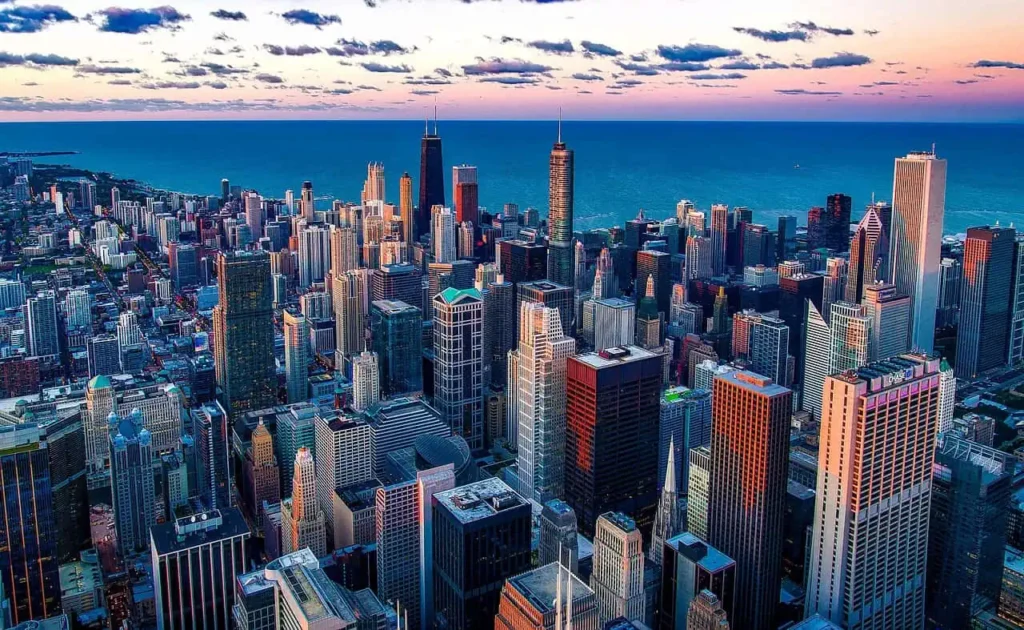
x,y
281,60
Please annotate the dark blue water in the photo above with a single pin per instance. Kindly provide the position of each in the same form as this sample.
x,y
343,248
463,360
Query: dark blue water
x,y
620,166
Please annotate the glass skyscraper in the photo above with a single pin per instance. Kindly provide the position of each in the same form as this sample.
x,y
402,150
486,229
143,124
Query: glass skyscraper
x,y
397,338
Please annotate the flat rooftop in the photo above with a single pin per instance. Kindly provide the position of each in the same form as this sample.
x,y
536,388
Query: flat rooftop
x,y
615,356
166,539
754,382
479,500
539,586
700,552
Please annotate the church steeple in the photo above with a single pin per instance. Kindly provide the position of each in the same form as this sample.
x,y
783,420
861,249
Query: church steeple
x,y
671,516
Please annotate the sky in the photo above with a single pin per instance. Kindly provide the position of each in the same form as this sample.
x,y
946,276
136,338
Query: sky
x,y
871,60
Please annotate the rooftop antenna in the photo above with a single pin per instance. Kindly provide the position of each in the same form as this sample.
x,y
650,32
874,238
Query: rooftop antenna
x,y
558,594
435,115
933,149
568,604
872,197
559,125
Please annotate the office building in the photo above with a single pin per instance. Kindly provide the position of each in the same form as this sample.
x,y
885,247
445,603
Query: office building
x,y
699,498
869,251
614,322
243,331
617,579
558,535
398,546
760,276
41,331
29,573
657,266
719,233
210,425
344,458
749,447
971,491
466,192
522,261
540,391
314,254
918,208
870,541
561,178
758,245
263,477
307,203
131,481
302,520
344,248
706,613
189,598
12,293
1016,342
547,598
443,235
549,294
296,356
103,354
700,261
160,404
397,424
396,331
690,568
481,535
365,380
407,210
950,279
373,187
397,282
649,320
769,349
431,178
458,362
843,345
184,264
78,309
295,429
834,284
985,301
684,423
625,384
500,316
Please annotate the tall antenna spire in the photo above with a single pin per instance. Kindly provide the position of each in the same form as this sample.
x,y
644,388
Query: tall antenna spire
x,y
933,149
558,594
568,603
559,125
435,115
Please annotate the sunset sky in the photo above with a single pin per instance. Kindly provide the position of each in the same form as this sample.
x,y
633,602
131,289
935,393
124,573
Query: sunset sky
x,y
903,60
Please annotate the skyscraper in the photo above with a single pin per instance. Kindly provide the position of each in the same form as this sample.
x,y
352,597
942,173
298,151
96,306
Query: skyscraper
x,y
442,235
890,316
550,294
918,208
396,330
243,330
28,541
837,227
649,320
706,613
41,332
466,191
431,177
373,187
749,457
302,520
481,535
212,444
611,430
397,527
985,302
540,390
263,478
834,285
308,203
365,380
658,266
869,251
691,568
296,356
344,249
870,540
500,330
971,490
1016,342
314,254
769,349
699,498
700,261
719,231
558,535
103,355
547,598
131,481
458,362
406,209
684,423
344,458
830,348
347,291
561,176
617,579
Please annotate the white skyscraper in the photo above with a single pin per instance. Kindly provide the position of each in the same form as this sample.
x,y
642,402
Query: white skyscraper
x,y
302,520
614,323
890,321
365,380
918,208
78,309
254,214
459,362
314,254
831,348
296,356
344,457
870,541
540,388
344,249
618,575
347,291
373,189
41,325
834,288
129,333
947,397
442,235
700,262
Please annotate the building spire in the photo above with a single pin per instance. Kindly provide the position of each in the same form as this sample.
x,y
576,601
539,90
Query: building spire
x,y
670,469
435,115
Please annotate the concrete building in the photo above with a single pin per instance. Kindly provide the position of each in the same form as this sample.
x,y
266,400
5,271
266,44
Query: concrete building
x,y
303,524
618,577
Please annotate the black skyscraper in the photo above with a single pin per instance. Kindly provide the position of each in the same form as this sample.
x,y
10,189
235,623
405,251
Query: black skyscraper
x,y
431,178
837,234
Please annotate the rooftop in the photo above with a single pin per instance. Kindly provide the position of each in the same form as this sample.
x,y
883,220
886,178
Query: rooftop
x,y
1013,560
698,551
614,356
620,520
753,382
539,586
817,622
480,500
201,529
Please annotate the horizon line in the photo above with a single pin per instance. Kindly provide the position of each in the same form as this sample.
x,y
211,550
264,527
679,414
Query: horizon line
x,y
522,120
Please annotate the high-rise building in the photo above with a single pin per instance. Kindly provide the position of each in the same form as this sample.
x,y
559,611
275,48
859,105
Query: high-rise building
x,y
458,362
749,460
131,481
769,349
985,302
184,262
971,488
373,187
29,573
41,331
344,248
830,348
547,598
442,235
691,568
347,295
431,178
786,238
649,320
918,208
617,578
540,391
671,516
397,530
78,309
561,178
104,356
609,323
684,423
869,251
658,266
12,293
243,331
890,315
837,227
296,356
834,285
1016,341
558,535
612,410
344,458
706,613
396,331
500,329
213,460
466,192
263,477
870,541
699,498
550,294
295,429
302,519
189,597
365,380
719,231
521,261
481,537
307,202
314,254
406,209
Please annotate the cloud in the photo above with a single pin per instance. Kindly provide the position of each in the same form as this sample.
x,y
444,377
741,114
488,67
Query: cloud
x,y
424,92
92,69
119,82
192,71
311,18
32,19
841,60
988,63
356,48
427,80
870,32
729,76
171,85
443,72
221,69
773,35
28,104
683,66
217,85
811,27
583,76
696,52
134,21
802,92
297,51
714,85
234,16
640,69
381,67
387,47
599,49
510,80
774,65
268,78
558,48
739,65
35,59
497,65
625,84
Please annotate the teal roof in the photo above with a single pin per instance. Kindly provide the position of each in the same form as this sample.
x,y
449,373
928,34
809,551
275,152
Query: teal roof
x,y
99,382
452,295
